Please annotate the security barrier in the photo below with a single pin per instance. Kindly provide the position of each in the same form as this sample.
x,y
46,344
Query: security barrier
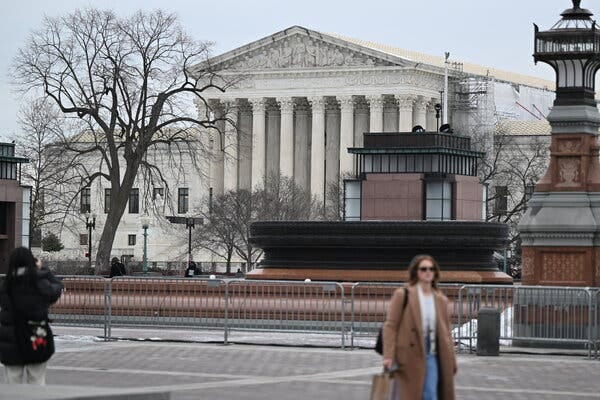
x,y
530,315
283,306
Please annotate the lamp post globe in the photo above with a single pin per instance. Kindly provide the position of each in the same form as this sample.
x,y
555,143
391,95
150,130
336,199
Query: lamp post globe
x,y
572,48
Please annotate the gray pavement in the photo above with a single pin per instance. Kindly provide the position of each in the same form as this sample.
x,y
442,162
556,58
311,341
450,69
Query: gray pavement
x,y
252,372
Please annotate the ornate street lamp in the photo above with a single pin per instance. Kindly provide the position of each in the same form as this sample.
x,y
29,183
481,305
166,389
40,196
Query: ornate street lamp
x,y
563,212
571,47
145,224
90,225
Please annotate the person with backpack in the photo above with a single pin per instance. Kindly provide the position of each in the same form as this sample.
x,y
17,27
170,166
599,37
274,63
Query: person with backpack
x,y
26,340
117,268
417,340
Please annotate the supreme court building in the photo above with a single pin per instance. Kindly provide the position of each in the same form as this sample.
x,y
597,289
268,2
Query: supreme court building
x,y
302,98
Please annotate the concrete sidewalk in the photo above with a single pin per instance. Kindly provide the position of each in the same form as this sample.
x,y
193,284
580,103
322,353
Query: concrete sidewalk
x,y
253,372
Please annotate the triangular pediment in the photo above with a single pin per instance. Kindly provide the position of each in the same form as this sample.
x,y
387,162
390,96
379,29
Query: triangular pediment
x,y
301,48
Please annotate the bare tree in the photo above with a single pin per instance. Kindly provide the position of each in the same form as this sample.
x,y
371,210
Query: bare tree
x,y
126,85
511,169
229,216
48,170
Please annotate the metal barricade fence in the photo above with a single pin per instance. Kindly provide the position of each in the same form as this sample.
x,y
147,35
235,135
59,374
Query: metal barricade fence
x,y
286,306
85,301
530,315
596,320
369,301
168,302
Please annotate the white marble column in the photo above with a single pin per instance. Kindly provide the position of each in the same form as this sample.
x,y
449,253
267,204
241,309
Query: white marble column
x,y
231,146
390,115
431,120
361,122
317,148
258,142
346,134
376,109
273,138
405,113
332,147
245,147
286,154
302,146
218,147
420,112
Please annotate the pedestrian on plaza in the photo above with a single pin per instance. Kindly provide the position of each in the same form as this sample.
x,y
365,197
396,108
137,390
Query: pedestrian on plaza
x,y
117,268
192,270
26,341
417,340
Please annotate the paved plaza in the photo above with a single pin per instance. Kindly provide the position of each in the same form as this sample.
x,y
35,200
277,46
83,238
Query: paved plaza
x,y
252,372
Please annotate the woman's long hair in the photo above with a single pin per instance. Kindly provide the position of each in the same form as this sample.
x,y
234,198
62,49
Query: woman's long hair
x,y
21,257
413,269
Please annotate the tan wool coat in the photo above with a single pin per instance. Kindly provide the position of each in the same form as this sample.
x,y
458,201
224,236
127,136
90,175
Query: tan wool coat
x,y
403,341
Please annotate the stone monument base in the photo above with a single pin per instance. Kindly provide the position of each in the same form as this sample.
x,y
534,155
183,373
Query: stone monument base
x,y
318,274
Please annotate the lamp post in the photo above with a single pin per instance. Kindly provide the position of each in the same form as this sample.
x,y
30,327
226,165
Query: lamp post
x,y
145,225
190,223
90,225
438,108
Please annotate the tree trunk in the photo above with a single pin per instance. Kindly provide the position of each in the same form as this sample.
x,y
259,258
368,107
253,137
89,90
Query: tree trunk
x,y
117,207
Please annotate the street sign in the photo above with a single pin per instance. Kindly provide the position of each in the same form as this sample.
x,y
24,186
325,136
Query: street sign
x,y
185,220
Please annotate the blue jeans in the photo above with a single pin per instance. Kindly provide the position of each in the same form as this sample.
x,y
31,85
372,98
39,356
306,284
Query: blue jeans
x,y
430,389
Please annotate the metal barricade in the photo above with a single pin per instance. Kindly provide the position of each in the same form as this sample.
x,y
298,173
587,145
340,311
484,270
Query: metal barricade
x,y
168,302
85,301
285,306
530,315
369,302
595,292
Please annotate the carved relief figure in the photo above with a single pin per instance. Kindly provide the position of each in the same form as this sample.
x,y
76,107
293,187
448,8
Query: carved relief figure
x,y
568,170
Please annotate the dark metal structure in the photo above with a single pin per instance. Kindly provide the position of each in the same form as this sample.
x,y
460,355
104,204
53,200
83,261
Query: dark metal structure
x,y
427,152
378,245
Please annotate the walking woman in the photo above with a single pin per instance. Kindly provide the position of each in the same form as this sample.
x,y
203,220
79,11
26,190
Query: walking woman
x,y
417,336
26,341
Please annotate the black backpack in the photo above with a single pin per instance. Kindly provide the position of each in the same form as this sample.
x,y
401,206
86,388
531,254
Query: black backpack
x,y
379,343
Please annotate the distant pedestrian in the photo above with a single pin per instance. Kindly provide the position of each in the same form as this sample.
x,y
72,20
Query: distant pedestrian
x,y
239,273
26,341
192,270
117,268
417,339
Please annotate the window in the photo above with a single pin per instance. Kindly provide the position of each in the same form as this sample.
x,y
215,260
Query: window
x,y
438,201
183,200
529,189
501,200
83,239
158,192
134,201
131,240
85,200
106,201
352,196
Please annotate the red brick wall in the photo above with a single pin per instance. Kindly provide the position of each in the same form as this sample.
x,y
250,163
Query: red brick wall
x,y
468,198
392,197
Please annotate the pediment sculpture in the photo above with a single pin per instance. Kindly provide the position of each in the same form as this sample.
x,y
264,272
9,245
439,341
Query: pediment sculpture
x,y
301,51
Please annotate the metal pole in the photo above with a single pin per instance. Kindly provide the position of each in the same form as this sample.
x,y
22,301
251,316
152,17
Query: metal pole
x,y
190,226
145,250
445,103
89,246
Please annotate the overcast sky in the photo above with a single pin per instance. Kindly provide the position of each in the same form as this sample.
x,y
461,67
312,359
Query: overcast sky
x,y
488,32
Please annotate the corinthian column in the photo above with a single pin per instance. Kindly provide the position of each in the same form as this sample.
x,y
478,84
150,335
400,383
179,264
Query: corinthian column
x,y
302,146
405,113
258,142
317,149
431,120
231,146
346,134
286,153
419,112
376,106
217,148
